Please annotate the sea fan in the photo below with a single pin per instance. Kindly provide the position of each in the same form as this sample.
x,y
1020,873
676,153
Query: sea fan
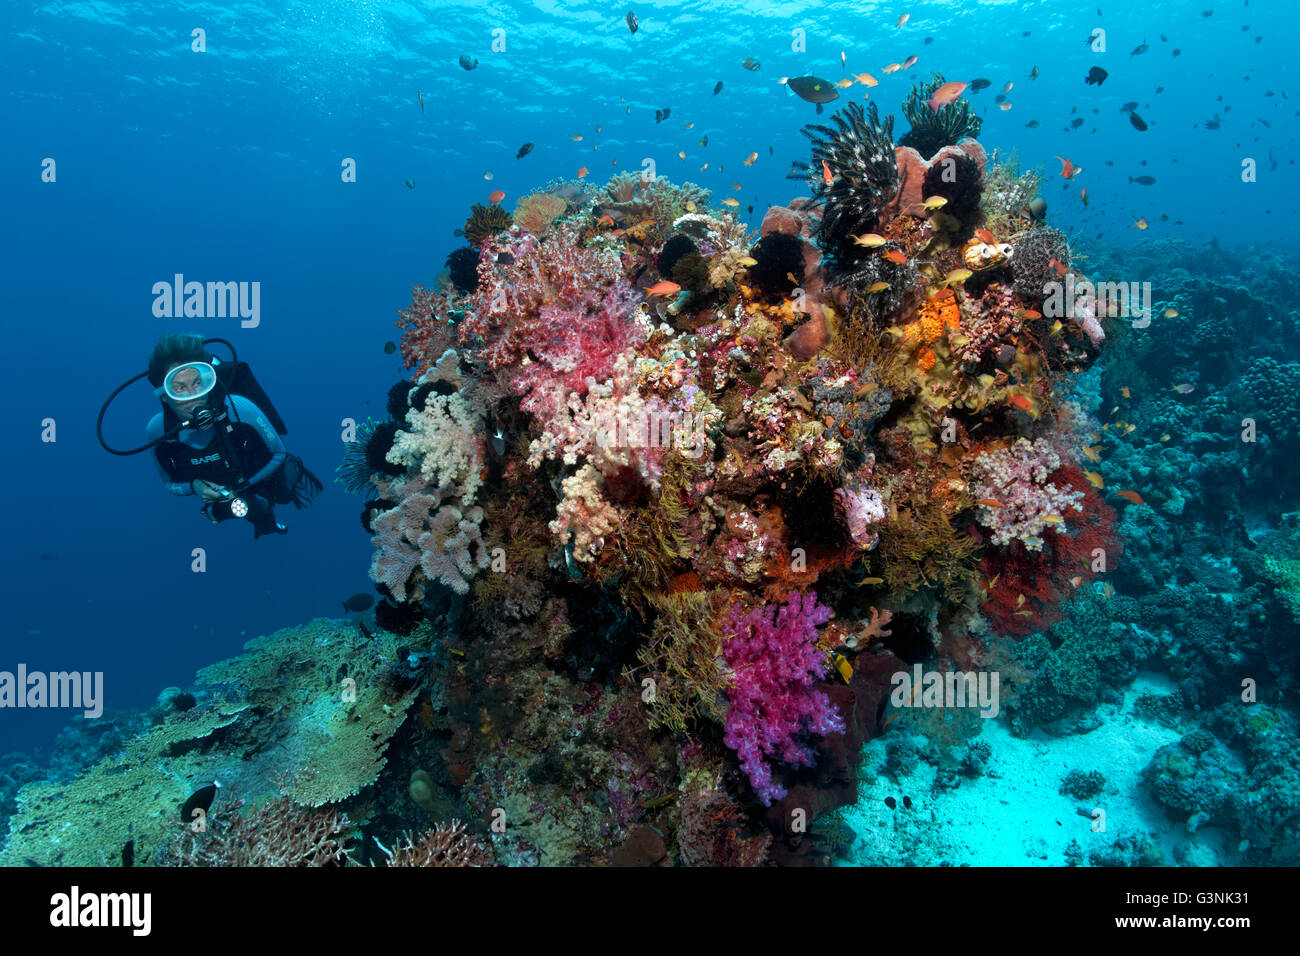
x,y
933,129
859,152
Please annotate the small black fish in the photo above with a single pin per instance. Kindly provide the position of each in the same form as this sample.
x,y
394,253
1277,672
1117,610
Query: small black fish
x,y
751,208
1163,38
390,348
1032,124
907,802
1138,122
1110,162
47,556
750,63
200,799
1140,49
128,852
467,62
1032,74
30,862
1129,107
1096,76
524,150
410,184
505,258
1000,98
1177,52
928,41
358,602
632,21
1092,37
770,152
891,802
717,88
1076,122
1143,180
458,232
1207,13
1026,33
979,83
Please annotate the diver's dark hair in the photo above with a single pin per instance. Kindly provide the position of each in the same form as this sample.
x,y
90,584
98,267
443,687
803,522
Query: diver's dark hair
x,y
174,348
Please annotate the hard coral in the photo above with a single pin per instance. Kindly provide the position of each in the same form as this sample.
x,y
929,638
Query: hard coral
x,y
277,833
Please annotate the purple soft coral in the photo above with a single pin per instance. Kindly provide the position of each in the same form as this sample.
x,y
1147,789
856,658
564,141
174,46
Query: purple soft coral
x,y
773,654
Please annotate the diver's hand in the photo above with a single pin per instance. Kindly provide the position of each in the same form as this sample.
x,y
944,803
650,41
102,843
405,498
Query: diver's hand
x,y
208,491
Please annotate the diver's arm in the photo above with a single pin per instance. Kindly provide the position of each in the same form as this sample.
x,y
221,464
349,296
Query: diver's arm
x,y
250,414
153,433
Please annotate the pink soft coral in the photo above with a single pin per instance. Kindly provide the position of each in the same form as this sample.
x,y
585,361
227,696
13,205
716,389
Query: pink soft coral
x,y
773,654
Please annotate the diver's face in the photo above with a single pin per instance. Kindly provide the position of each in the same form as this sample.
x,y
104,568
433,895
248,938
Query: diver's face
x,y
186,382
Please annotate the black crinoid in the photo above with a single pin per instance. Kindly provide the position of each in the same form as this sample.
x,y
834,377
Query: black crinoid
x,y
859,152
933,129
367,456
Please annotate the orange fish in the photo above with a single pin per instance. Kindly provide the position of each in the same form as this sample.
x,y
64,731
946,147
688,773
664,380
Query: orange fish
x,y
984,236
496,197
663,288
1068,169
753,158
1031,314
991,503
1021,402
946,94
1124,390
1090,452
866,79
826,173
845,83
1132,496
896,257
892,68
1095,478
1059,267
606,220
1141,224
582,171
1076,580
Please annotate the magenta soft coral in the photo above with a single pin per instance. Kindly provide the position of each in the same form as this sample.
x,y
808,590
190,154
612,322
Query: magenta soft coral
x,y
772,652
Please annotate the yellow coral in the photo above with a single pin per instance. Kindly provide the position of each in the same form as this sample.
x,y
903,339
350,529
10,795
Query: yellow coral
x,y
534,213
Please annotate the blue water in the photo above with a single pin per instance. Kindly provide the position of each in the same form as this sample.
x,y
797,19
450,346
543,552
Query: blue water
x,y
226,165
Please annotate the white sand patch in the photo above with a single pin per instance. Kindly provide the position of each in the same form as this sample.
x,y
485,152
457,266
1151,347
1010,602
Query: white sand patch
x,y
1014,814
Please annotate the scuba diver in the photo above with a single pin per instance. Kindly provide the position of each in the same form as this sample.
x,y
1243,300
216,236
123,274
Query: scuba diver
x,y
218,435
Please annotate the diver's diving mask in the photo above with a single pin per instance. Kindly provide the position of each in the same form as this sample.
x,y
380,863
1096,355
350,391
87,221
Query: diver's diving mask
x,y
189,382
